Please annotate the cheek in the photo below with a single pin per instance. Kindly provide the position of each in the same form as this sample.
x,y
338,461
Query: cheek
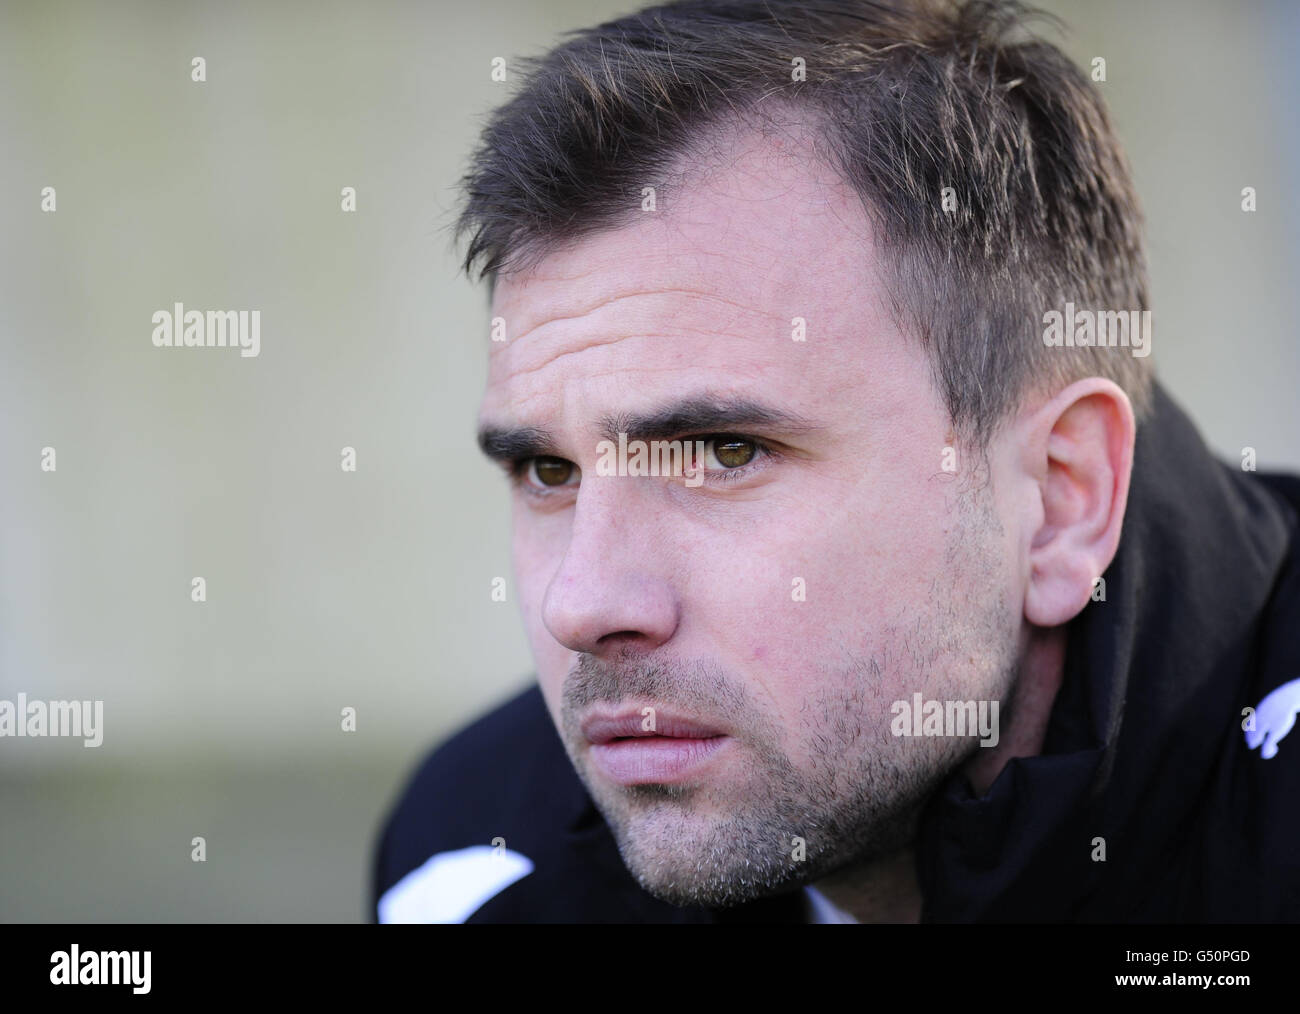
x,y
536,549
830,587
536,559
820,578
533,569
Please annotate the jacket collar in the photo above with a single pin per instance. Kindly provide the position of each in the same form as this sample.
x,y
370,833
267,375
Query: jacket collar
x,y
1150,702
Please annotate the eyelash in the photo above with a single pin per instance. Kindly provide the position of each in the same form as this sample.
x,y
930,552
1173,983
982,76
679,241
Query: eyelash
x,y
518,467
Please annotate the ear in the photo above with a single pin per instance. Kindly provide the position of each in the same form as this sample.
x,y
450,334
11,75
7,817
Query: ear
x,y
1079,448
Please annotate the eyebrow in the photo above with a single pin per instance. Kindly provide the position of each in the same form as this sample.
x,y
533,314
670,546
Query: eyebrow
x,y
515,443
692,415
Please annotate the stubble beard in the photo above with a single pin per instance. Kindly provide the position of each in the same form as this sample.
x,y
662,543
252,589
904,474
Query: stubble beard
x,y
857,796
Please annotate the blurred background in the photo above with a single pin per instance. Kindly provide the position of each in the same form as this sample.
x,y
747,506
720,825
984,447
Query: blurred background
x,y
370,590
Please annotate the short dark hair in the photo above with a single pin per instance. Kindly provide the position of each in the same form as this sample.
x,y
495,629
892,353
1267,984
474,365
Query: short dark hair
x,y
910,98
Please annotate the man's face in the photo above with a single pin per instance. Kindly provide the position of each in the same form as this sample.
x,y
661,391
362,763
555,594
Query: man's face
x,y
826,566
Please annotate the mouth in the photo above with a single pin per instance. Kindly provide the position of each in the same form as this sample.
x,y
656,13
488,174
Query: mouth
x,y
648,746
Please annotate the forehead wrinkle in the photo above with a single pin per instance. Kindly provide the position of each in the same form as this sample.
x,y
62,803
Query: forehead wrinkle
x,y
591,342
518,372
557,273
669,291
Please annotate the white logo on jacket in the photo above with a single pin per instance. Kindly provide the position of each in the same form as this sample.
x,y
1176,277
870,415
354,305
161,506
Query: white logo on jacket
x,y
1273,719
452,886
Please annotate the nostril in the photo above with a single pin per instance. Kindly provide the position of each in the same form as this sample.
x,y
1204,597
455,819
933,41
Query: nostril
x,y
620,637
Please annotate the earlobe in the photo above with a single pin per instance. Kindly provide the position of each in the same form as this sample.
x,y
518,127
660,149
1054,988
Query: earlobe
x,y
1084,441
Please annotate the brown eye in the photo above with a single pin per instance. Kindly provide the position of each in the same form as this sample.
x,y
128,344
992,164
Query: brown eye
x,y
551,471
730,452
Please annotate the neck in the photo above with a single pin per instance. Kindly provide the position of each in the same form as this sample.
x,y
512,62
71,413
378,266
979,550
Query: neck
x,y
887,890
883,891
1042,668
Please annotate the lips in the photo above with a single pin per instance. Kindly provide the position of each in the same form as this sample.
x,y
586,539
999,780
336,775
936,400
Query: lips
x,y
674,751
599,729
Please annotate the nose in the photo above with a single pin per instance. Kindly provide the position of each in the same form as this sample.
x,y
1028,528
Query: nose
x,y
611,590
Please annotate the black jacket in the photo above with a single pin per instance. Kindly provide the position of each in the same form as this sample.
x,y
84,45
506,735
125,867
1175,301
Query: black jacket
x,y
1145,748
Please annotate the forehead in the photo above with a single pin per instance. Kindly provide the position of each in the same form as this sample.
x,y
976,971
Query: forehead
x,y
708,290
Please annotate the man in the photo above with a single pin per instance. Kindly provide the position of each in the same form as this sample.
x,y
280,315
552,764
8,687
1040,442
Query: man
x,y
938,609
